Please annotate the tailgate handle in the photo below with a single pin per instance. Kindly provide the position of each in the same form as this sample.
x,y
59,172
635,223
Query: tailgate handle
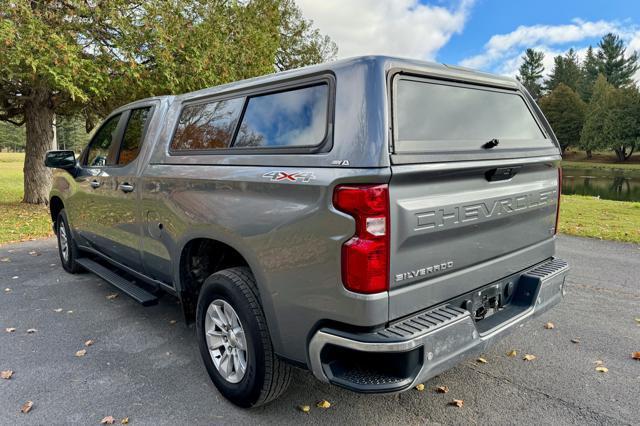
x,y
501,173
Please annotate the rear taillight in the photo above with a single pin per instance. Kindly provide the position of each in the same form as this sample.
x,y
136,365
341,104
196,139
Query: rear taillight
x,y
559,194
365,257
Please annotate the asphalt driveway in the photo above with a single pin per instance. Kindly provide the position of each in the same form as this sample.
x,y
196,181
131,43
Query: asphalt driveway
x,y
144,363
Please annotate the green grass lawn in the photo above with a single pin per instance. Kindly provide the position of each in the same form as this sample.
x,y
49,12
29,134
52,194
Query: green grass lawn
x,y
580,215
18,221
599,165
605,219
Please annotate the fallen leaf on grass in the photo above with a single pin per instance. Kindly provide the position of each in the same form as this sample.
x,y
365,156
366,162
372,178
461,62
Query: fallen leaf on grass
x,y
109,420
442,389
26,407
112,296
89,342
9,329
323,404
457,403
529,357
636,356
81,352
6,374
31,330
602,369
576,340
512,353
125,421
549,326
304,408
420,387
481,360
58,310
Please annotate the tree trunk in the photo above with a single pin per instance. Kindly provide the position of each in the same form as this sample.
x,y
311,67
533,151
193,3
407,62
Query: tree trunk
x,y
39,122
589,154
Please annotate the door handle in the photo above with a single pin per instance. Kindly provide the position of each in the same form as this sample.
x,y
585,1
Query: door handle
x,y
95,183
125,187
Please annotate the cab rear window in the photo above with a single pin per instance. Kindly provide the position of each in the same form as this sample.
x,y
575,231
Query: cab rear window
x,y
436,116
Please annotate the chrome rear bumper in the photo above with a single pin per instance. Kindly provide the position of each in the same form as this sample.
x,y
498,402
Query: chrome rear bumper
x,y
424,345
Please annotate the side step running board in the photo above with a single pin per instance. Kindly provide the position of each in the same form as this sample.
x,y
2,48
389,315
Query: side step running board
x,y
138,294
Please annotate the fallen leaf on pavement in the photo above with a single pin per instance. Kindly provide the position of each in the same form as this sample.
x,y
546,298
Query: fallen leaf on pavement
x,y
112,296
31,330
6,374
9,329
636,355
442,389
512,353
172,322
15,277
109,420
81,352
34,253
420,387
323,404
602,369
481,360
57,310
89,342
304,408
125,421
598,362
26,407
576,340
69,312
5,259
549,326
7,290
457,402
529,357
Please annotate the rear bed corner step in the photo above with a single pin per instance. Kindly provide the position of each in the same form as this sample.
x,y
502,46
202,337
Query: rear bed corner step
x,y
137,293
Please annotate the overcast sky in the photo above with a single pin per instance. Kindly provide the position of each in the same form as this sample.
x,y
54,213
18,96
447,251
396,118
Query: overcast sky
x,y
490,35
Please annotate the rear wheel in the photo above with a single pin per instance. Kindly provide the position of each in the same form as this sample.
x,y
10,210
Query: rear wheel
x,y
234,340
66,245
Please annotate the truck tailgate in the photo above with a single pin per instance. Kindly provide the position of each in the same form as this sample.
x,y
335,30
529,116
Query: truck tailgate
x,y
452,230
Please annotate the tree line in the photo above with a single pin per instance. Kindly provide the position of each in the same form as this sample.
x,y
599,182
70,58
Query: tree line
x,y
74,61
592,104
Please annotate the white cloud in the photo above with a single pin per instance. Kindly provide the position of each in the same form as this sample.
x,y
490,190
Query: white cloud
x,y
505,48
405,28
503,52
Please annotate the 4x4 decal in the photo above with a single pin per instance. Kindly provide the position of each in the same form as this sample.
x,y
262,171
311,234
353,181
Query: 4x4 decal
x,y
289,177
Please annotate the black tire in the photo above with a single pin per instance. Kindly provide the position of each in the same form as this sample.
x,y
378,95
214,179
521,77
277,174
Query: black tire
x,y
266,376
69,264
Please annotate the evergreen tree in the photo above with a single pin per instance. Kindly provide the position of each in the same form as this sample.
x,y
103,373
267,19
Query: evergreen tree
x,y
613,62
530,72
565,111
566,70
589,71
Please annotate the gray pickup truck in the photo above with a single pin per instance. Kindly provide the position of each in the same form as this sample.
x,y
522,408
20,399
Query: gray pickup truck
x,y
374,220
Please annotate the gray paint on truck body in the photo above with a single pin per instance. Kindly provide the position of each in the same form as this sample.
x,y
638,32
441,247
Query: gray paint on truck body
x,y
289,232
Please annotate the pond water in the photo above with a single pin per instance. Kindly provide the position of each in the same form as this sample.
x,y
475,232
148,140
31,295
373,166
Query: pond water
x,y
610,184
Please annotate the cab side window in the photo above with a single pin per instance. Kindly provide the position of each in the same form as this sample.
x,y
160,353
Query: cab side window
x,y
133,135
100,145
